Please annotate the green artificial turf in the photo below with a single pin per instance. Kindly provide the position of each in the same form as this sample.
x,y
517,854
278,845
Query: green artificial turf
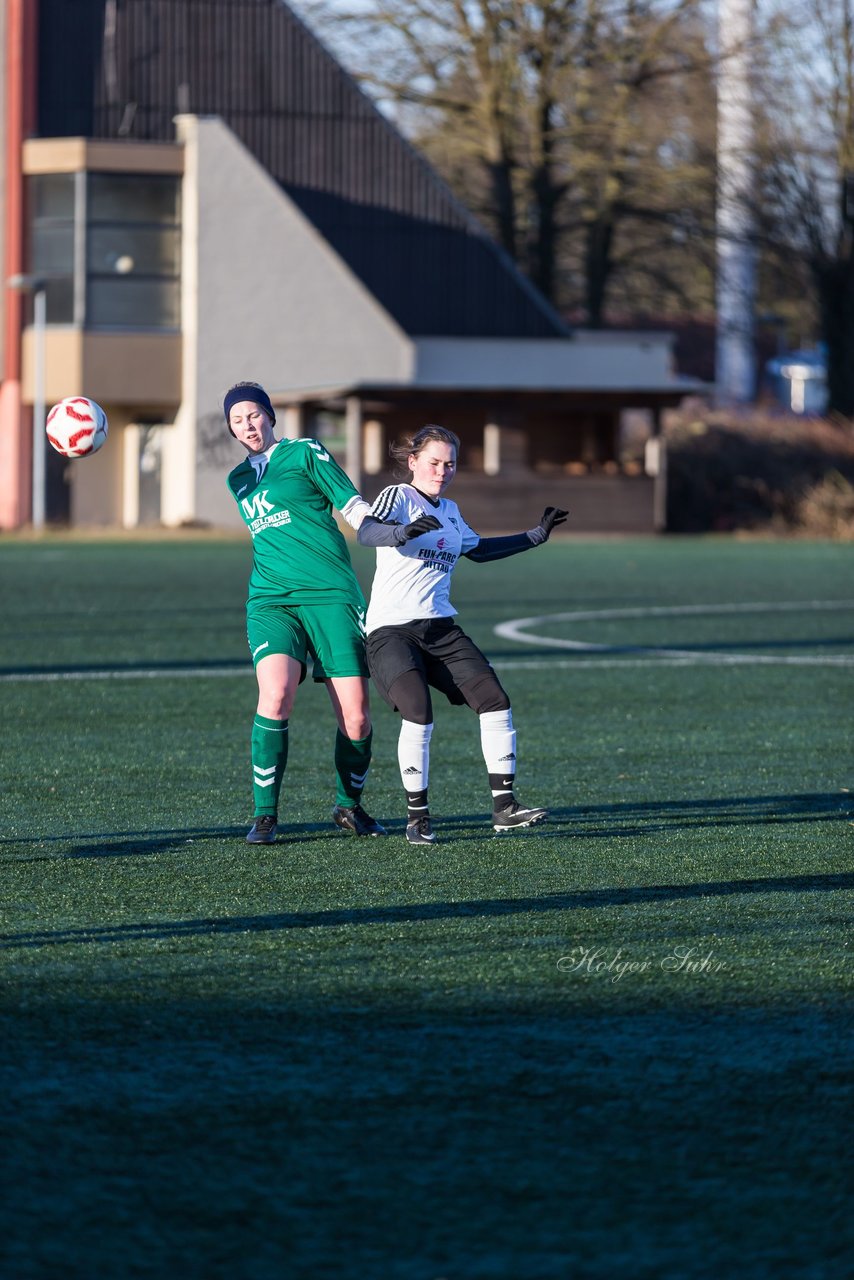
x,y
617,1046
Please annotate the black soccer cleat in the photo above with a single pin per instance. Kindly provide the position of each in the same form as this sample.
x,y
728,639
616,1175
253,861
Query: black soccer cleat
x,y
356,820
516,816
420,830
263,830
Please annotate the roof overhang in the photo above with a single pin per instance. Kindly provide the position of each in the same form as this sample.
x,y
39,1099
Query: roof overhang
x,y
632,368
638,396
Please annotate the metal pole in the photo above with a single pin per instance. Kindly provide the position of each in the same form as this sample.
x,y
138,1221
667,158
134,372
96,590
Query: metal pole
x,y
39,438
736,232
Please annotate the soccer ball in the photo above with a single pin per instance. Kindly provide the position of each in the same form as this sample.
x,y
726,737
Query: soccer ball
x,y
76,427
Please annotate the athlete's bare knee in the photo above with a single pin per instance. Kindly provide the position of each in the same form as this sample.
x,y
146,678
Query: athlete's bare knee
x,y
276,701
278,677
276,704
356,726
349,698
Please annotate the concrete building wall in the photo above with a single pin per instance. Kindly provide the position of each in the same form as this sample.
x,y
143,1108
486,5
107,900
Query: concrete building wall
x,y
267,299
141,369
96,482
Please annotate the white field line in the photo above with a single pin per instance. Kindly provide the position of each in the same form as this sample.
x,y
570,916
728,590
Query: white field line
x,y
691,660
587,655
663,655
135,673
589,662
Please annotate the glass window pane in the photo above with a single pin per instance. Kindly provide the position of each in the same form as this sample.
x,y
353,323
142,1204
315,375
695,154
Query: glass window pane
x,y
124,302
125,250
52,248
59,300
120,197
52,195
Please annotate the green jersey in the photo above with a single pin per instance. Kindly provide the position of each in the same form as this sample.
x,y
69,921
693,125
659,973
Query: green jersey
x,y
286,497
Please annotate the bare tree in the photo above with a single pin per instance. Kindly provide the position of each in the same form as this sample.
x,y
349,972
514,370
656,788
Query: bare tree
x,y
638,146
566,124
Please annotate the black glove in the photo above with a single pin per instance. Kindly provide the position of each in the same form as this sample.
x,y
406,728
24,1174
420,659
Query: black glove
x,y
551,517
424,524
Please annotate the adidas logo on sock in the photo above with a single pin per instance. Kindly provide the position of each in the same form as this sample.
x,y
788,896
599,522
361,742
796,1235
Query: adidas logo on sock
x,y
411,770
512,756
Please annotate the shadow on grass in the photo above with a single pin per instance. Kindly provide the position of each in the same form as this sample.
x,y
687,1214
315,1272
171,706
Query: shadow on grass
x,y
133,844
640,818
648,817
583,899
597,821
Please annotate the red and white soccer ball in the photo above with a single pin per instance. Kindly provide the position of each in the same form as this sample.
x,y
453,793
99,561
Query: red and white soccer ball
x,y
76,427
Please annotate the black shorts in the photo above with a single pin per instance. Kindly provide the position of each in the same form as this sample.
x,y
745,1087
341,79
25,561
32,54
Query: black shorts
x,y
436,647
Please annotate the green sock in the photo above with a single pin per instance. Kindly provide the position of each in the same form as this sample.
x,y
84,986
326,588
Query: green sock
x,y
352,761
269,757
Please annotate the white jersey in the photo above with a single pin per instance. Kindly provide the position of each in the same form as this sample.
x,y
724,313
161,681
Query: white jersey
x,y
414,581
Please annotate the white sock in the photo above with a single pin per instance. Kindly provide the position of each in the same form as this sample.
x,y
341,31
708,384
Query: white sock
x,y
413,755
498,743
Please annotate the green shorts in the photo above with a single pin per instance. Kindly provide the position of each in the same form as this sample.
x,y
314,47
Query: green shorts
x,y
332,635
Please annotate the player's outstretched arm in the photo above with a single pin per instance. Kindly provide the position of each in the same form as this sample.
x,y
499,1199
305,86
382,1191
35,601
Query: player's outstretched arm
x,y
499,548
379,533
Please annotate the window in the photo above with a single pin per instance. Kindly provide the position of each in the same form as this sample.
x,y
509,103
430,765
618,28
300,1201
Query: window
x,y
133,251
52,201
108,246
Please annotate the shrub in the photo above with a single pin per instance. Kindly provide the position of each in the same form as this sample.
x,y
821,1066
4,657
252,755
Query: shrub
x,y
778,474
826,509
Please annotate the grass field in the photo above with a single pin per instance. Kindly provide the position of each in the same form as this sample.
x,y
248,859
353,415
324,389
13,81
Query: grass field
x,y
618,1046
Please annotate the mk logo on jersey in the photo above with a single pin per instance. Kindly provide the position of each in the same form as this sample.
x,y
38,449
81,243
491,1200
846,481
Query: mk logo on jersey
x,y
257,506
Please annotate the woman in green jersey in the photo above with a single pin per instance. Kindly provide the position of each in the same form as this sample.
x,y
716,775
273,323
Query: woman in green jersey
x,y
304,601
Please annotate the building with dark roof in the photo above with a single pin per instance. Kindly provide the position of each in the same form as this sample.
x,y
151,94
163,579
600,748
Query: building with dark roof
x,y
203,194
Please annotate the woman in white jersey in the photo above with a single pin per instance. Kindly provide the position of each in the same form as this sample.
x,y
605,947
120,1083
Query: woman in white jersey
x,y
413,642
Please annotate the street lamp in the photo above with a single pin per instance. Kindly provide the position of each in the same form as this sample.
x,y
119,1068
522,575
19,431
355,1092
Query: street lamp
x,y
36,286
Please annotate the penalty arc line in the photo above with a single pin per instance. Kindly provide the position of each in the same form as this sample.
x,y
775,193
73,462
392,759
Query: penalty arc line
x,y
663,655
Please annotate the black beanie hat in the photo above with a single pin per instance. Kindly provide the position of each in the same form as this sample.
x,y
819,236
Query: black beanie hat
x,y
247,391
